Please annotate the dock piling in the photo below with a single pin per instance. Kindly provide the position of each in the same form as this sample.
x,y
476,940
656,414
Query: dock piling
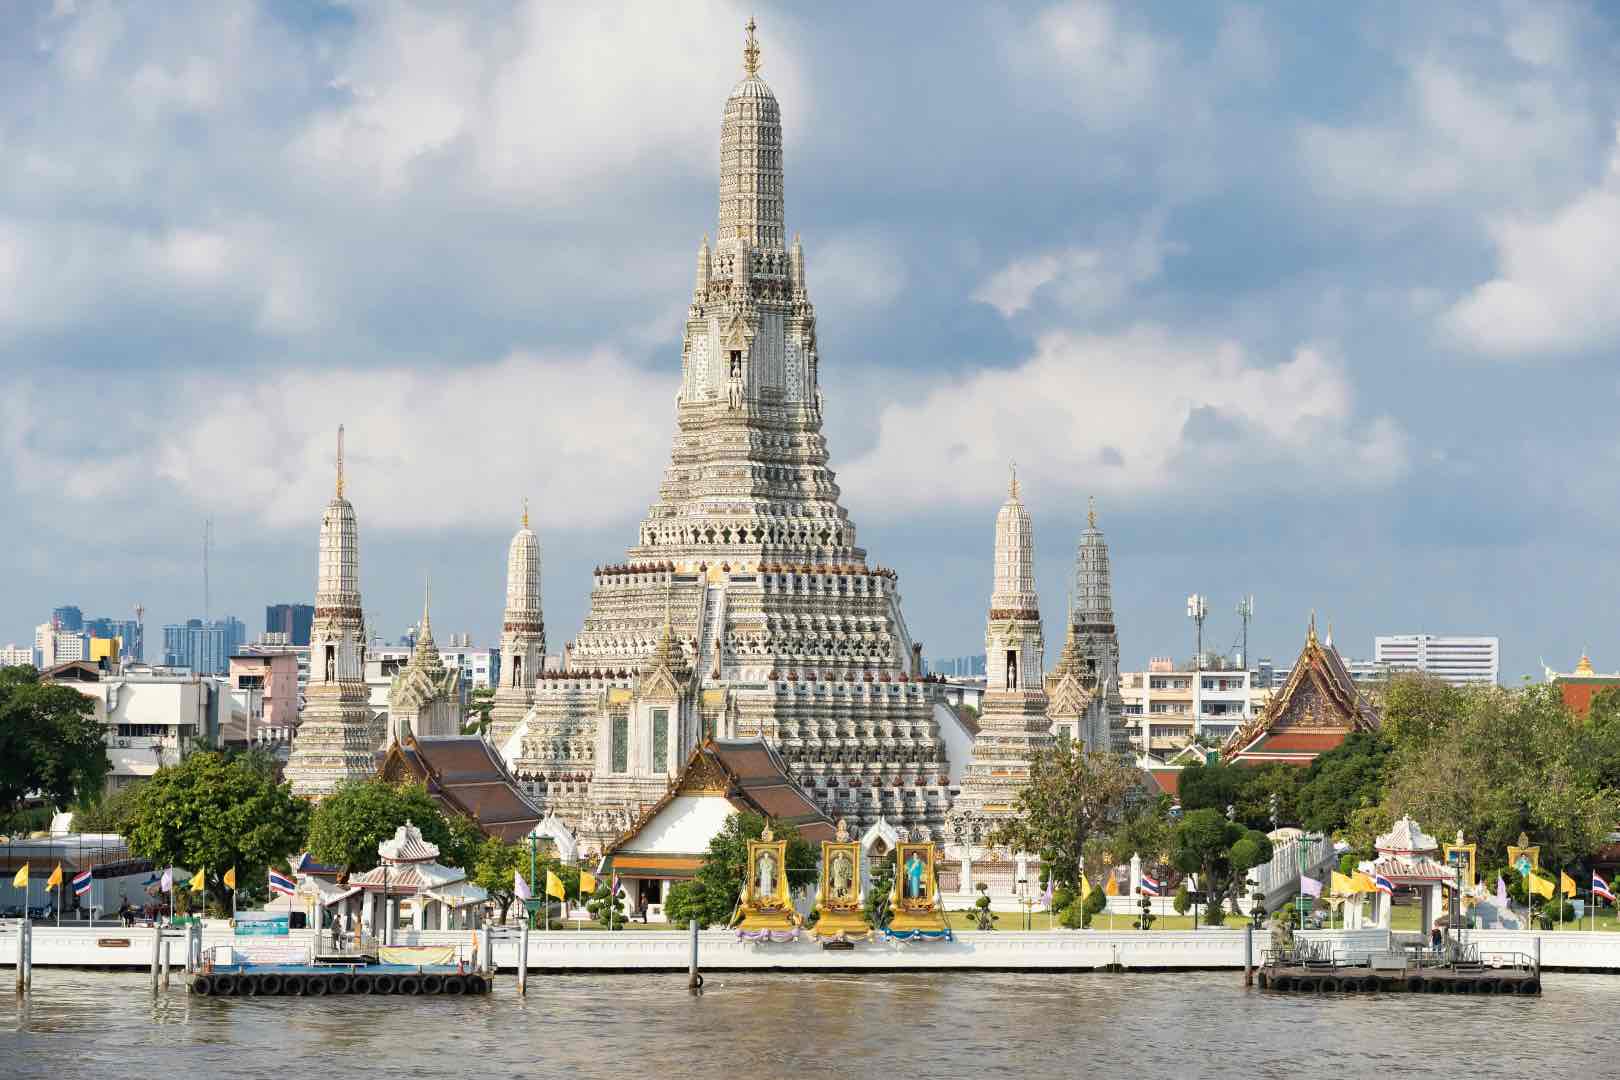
x,y
165,941
694,980
1248,955
25,956
523,961
157,947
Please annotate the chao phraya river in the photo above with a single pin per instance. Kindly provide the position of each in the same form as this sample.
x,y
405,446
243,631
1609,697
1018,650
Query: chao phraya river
x,y
86,1024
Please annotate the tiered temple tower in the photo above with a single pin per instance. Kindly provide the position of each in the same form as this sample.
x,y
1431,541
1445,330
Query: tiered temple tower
x,y
1013,724
523,634
791,634
337,737
425,696
1091,653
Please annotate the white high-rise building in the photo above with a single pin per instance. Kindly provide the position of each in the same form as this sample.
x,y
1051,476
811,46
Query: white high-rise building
x,y
1460,661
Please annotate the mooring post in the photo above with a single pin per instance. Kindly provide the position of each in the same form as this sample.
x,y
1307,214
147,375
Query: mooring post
x,y
157,947
523,960
165,940
1538,956
694,981
25,951
1248,955
489,955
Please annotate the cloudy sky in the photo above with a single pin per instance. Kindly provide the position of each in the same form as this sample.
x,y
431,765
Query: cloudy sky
x,y
1319,301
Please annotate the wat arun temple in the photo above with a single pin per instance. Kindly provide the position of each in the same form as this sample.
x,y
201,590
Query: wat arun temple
x,y
746,607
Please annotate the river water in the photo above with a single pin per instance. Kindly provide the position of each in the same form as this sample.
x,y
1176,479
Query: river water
x,y
779,1027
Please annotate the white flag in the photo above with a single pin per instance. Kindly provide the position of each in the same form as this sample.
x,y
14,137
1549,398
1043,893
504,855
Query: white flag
x,y
520,888
1310,886
167,881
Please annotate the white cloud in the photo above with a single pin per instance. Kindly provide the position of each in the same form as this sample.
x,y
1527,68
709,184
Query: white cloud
x,y
1146,413
427,448
856,269
1108,69
1080,279
1557,285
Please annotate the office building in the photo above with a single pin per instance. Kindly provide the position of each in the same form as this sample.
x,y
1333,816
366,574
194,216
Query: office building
x,y
293,620
1460,661
14,655
205,648
1170,705
129,633
53,645
69,618
152,717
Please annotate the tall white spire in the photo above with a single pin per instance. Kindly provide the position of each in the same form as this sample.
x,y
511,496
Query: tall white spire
x,y
751,162
523,633
1014,588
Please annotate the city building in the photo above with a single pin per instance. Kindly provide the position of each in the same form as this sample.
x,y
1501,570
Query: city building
x,y
68,618
1315,711
338,733
746,607
292,620
958,667
204,647
129,633
1580,686
266,685
1170,706
54,646
14,655
1460,661
153,717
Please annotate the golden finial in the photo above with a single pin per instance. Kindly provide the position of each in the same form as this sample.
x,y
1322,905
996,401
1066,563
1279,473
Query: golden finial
x,y
767,835
751,51
340,462
1091,511
1012,479
1310,636
525,511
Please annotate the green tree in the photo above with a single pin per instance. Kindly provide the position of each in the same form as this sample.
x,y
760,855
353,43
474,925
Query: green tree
x,y
1074,797
1213,786
110,814
347,825
1183,899
1203,846
1145,830
1348,778
494,868
1265,790
212,813
49,741
720,875
607,907
983,917
1418,708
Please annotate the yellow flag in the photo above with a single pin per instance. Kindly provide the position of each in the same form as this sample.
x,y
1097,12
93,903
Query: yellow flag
x,y
1540,886
21,880
198,882
55,880
230,878
1111,888
1343,884
554,886
1364,884
1085,887
587,883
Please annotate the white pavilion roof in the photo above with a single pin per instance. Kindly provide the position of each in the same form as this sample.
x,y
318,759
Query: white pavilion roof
x,y
1405,838
407,845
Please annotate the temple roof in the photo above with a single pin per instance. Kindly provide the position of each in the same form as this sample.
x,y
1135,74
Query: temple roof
x,y
1405,838
407,845
466,775
1313,713
748,774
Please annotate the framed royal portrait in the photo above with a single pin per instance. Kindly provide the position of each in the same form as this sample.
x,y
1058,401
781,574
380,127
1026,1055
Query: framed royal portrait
x,y
914,877
840,875
766,887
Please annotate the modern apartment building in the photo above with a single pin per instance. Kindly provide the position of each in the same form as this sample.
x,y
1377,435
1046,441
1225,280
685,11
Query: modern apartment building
x,y
53,645
1460,661
14,655
152,717
205,648
1170,704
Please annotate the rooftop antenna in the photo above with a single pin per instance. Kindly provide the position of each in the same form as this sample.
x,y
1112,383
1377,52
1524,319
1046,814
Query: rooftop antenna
x,y
1245,611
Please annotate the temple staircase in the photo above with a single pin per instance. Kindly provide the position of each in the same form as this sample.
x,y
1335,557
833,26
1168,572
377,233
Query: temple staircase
x,y
713,621
1279,878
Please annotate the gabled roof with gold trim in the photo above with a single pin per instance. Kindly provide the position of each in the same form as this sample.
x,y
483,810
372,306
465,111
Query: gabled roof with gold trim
x,y
750,775
465,775
1314,712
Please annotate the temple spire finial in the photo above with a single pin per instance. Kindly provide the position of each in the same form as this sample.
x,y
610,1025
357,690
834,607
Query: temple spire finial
x,y
1012,480
340,462
751,50
525,511
1310,636
1091,511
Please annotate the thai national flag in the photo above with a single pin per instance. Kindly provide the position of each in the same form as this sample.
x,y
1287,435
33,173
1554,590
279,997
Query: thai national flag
x,y
1601,888
281,883
1383,884
81,882
1150,887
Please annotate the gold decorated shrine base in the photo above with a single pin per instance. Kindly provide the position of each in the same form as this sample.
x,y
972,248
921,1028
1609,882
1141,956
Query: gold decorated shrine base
x,y
841,924
906,921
